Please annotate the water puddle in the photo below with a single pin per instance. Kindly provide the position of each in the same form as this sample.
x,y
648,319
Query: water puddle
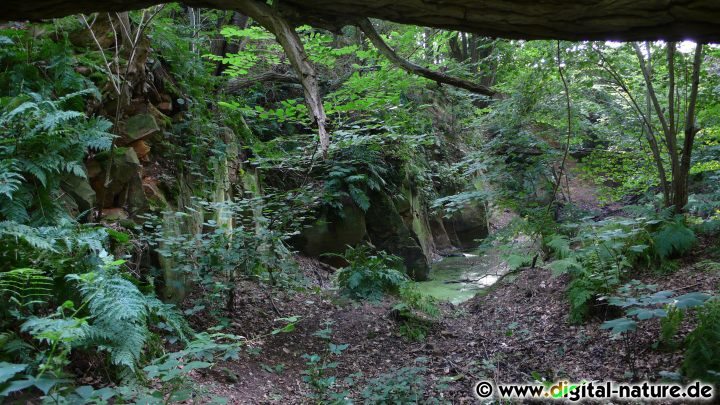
x,y
459,278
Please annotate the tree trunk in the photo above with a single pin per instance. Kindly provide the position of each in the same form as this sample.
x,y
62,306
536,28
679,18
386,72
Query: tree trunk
x,y
681,180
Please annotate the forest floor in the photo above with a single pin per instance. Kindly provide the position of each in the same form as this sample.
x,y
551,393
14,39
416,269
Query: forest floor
x,y
514,332
517,330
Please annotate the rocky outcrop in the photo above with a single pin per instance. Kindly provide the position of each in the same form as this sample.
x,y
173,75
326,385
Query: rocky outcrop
x,y
125,188
549,19
467,226
333,232
388,231
80,192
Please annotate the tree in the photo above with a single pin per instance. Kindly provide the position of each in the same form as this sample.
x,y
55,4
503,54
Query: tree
x,y
674,188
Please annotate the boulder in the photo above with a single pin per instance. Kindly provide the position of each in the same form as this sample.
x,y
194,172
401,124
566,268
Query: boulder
x,y
114,214
125,188
142,149
387,231
80,191
139,127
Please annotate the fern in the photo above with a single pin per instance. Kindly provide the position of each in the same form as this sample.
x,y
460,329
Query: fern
x,y
120,314
560,246
171,316
31,236
26,286
47,141
674,238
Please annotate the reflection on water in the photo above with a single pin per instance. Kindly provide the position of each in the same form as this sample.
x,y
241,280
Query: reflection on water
x,y
457,279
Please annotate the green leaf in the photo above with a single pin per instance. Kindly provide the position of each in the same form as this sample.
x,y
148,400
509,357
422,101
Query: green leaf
x,y
691,300
9,370
620,325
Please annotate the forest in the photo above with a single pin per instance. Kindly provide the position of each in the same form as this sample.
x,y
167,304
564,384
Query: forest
x,y
350,204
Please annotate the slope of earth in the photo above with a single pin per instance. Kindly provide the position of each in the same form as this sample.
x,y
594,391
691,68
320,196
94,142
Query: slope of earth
x,y
515,332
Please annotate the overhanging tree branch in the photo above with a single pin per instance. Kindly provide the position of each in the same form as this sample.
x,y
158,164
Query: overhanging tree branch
x,y
369,30
288,38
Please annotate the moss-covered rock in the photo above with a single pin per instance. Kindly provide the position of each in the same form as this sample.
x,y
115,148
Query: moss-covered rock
x,y
139,127
80,191
466,226
387,231
333,232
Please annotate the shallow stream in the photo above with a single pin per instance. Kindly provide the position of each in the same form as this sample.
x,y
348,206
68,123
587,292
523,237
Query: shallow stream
x,y
459,278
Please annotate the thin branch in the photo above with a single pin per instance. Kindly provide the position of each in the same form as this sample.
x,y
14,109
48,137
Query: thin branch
x,y
650,136
366,26
670,139
561,171
291,43
116,87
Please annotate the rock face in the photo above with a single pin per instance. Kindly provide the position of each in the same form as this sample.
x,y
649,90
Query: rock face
x,y
80,191
332,233
466,226
549,19
126,186
388,231
398,224
140,127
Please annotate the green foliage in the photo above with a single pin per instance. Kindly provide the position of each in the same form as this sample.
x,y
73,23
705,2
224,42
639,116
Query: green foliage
x,y
673,238
354,172
669,327
600,254
41,142
319,367
248,239
26,287
642,302
415,313
120,313
368,276
412,299
618,173
405,385
702,357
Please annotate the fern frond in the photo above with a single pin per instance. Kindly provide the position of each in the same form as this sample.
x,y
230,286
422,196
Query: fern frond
x,y
673,238
171,316
27,234
119,315
26,286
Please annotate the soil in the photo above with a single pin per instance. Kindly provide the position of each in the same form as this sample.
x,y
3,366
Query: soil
x,y
515,332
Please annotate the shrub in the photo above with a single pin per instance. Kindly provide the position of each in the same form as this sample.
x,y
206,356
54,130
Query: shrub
x,y
605,251
368,276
